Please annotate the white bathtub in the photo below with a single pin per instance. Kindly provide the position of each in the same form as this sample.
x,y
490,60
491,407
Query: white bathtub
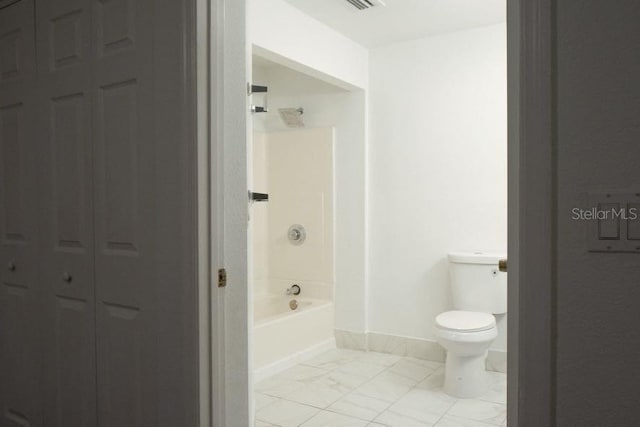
x,y
282,337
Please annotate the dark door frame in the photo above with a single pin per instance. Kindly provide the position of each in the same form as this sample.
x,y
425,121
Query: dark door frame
x,y
532,230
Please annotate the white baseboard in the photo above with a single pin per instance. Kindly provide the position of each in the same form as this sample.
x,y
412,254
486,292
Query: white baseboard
x,y
410,347
351,340
290,361
497,361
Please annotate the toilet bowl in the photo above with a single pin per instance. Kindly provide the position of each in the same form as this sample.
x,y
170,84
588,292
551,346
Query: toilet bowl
x,y
466,336
479,290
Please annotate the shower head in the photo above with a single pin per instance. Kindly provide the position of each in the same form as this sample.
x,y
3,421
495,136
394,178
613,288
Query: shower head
x,y
292,117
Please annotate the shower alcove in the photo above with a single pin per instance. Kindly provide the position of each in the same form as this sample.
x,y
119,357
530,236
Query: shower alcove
x,y
298,163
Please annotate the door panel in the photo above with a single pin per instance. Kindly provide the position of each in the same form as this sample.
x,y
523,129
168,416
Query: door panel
x,y
142,311
19,293
98,317
118,121
124,218
144,215
67,266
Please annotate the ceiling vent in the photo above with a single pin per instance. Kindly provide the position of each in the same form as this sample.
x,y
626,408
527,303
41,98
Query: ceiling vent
x,y
365,4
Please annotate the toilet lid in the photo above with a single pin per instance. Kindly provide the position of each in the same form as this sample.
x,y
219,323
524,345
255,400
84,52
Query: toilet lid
x,y
465,321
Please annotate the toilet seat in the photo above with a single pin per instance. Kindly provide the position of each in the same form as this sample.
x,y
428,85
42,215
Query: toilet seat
x,y
465,321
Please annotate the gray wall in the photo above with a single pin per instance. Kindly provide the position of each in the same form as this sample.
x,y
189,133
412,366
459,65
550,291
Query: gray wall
x,y
597,137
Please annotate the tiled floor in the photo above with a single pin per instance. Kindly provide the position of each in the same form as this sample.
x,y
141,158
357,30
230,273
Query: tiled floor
x,y
344,388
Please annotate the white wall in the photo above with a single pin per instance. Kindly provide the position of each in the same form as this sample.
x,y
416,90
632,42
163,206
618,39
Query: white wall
x,y
279,31
329,106
437,177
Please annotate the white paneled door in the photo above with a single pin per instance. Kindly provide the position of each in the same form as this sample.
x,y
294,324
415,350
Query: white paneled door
x,y
20,289
99,315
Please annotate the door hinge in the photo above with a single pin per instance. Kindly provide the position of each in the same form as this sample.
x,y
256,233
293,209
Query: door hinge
x,y
222,277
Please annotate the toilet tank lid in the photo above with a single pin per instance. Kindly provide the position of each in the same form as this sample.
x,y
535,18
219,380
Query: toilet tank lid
x,y
476,257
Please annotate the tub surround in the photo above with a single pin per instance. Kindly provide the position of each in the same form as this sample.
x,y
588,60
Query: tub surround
x,y
296,168
345,112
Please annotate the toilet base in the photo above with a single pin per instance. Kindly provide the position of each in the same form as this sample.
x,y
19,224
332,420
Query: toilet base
x,y
466,376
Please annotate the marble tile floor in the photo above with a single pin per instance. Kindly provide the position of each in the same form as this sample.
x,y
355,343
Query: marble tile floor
x,y
346,388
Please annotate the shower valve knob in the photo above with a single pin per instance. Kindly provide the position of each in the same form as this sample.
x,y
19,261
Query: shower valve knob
x,y
297,234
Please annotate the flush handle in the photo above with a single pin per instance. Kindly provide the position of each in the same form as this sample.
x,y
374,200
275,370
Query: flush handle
x,y
502,265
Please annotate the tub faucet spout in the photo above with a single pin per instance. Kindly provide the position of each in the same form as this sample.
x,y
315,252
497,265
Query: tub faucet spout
x,y
293,290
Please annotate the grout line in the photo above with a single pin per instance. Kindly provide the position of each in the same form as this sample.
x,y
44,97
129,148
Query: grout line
x,y
345,415
395,401
414,388
358,359
386,369
446,412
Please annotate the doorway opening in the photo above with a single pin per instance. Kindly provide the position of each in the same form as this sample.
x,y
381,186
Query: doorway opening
x,y
418,120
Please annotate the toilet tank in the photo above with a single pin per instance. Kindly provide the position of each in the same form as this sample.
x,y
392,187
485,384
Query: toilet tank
x,y
476,284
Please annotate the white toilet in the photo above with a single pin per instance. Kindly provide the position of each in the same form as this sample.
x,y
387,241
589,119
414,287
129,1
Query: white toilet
x,y
479,290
